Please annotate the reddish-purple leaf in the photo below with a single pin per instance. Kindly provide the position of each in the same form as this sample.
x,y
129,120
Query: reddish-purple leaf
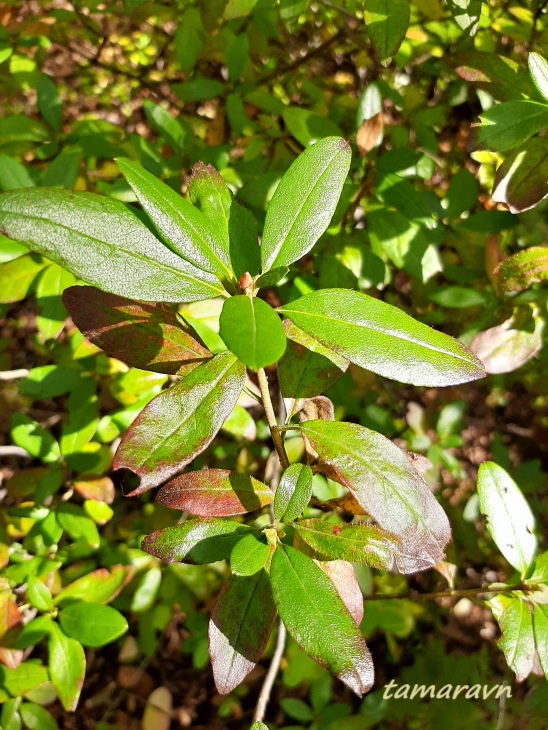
x,y
181,422
197,542
527,267
316,617
239,628
506,348
341,574
141,334
215,493
385,484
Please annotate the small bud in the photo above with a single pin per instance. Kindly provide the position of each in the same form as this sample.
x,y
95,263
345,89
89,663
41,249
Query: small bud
x,y
245,284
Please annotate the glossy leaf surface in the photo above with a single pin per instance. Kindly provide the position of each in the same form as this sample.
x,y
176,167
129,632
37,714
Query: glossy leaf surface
x,y
249,555
252,330
141,334
239,628
316,617
504,126
179,423
361,544
235,227
184,228
304,202
510,521
293,492
518,640
382,338
102,242
384,483
307,367
386,22
538,68
520,271
215,493
195,541
342,575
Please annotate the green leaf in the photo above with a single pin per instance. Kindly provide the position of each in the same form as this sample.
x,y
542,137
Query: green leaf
x,y
252,330
505,126
173,132
144,335
36,717
185,229
510,521
317,619
50,286
215,493
258,726
179,423
17,277
9,716
102,242
304,202
466,14
39,443
523,269
19,133
38,594
290,10
9,251
249,555
235,227
99,586
540,630
538,68
83,418
64,171
189,40
13,174
92,624
24,678
358,543
293,492
49,381
381,479
198,90
307,367
518,641
195,541
238,9
500,76
522,180
386,22
382,338
67,667
239,629
73,520
308,127
49,103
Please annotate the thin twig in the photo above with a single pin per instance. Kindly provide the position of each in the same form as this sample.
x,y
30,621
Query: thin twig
x,y
417,596
266,689
14,374
271,418
338,8
14,451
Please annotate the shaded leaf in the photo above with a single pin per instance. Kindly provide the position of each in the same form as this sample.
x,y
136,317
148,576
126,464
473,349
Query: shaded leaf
x,y
144,335
382,338
505,126
521,181
466,14
195,541
383,482
239,629
49,103
510,521
185,229
386,22
36,717
102,242
523,269
316,617
290,10
307,367
17,277
67,667
13,174
308,127
293,492
252,330
540,630
304,202
179,423
215,493
501,77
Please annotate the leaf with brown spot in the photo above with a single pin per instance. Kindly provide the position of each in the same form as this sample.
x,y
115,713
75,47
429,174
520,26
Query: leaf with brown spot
x,y
180,423
215,493
141,334
239,628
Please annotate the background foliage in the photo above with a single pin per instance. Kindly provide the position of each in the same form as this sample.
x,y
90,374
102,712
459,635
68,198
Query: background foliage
x,y
445,106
